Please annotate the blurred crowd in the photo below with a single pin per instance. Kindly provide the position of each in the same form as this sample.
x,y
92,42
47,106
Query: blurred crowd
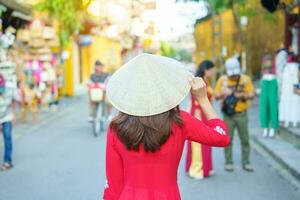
x,y
279,102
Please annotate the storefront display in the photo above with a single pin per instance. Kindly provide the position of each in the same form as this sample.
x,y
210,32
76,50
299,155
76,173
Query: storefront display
x,y
36,67
40,69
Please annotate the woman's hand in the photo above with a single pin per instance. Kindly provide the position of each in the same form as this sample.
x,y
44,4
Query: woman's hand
x,y
240,95
227,92
199,92
198,88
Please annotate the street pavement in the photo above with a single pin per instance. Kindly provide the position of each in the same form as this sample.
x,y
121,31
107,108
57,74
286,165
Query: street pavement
x,y
62,160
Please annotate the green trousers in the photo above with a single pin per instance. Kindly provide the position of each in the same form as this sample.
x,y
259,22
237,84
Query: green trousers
x,y
269,104
238,121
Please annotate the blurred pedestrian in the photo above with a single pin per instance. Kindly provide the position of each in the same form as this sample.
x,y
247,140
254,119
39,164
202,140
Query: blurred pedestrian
x,y
145,141
268,104
297,86
281,60
289,99
199,156
236,91
99,76
7,117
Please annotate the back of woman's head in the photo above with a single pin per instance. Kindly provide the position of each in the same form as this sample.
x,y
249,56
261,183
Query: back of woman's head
x,y
203,66
148,132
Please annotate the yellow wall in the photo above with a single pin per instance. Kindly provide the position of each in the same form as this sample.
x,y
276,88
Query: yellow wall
x,y
106,50
68,73
264,35
261,35
86,63
203,37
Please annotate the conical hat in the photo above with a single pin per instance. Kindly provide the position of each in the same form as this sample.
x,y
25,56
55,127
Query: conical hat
x,y
148,85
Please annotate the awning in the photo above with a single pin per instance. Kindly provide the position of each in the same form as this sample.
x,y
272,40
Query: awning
x,y
17,6
15,14
21,16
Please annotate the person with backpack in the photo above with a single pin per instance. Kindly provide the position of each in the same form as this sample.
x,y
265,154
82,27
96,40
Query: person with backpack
x,y
145,140
236,91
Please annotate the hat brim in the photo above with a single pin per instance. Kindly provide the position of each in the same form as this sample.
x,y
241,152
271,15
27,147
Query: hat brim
x,y
148,86
133,113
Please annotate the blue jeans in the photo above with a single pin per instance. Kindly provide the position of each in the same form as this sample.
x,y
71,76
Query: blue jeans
x,y
8,146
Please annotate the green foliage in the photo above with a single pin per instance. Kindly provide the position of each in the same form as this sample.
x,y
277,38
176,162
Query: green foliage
x,y
269,17
63,37
68,13
2,9
178,54
167,50
219,6
248,11
183,55
243,8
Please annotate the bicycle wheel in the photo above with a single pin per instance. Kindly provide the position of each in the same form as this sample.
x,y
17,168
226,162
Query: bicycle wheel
x,y
104,116
97,125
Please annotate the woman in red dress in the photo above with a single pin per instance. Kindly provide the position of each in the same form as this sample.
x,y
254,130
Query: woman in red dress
x,y
145,141
199,156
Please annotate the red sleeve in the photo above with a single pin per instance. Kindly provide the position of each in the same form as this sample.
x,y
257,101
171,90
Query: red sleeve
x,y
212,133
114,169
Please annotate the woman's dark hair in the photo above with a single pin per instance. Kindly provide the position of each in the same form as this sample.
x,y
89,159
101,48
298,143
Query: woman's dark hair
x,y
149,132
205,65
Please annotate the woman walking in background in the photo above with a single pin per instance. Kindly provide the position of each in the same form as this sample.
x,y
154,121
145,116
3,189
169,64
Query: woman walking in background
x,y
199,156
145,141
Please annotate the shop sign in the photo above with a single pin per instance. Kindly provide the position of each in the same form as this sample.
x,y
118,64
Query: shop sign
x,y
85,40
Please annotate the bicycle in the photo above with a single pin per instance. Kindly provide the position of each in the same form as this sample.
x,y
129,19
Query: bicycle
x,y
97,95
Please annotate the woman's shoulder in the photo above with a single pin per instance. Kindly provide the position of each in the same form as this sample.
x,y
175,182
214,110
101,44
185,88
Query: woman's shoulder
x,y
183,113
185,116
111,135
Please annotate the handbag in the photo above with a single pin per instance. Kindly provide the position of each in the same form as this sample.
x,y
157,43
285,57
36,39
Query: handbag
x,y
229,103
